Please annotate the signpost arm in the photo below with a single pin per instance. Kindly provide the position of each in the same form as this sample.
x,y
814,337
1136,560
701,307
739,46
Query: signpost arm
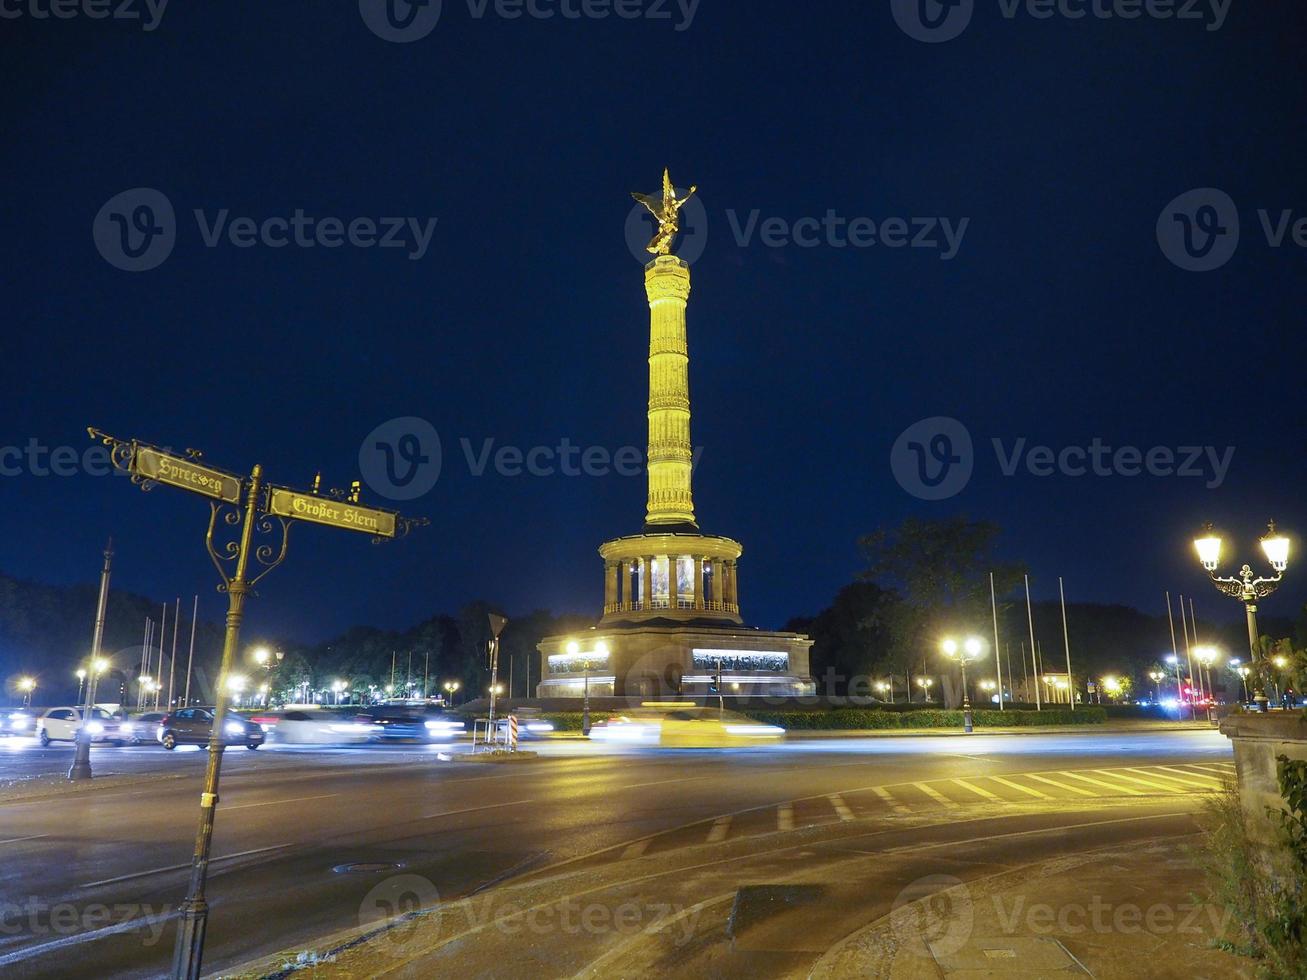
x,y
195,910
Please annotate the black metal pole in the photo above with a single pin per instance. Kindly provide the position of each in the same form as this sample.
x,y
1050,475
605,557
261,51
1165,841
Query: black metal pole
x,y
966,698
81,767
189,949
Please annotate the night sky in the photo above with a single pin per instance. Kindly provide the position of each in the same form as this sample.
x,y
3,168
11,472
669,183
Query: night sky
x,y
1060,319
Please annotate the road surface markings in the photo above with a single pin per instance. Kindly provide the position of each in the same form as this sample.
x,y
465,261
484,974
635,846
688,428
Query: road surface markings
x,y
1164,787
181,867
978,791
1191,775
935,795
474,809
660,782
15,840
127,925
1216,769
1037,794
885,795
785,817
1053,782
1190,783
719,829
297,799
635,849
841,808
1114,787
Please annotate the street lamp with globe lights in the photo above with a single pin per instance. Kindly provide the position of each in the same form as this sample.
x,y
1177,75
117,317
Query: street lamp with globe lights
x,y
925,683
1174,661
81,681
27,685
885,687
1281,664
236,685
450,688
1241,671
969,649
1246,587
1156,676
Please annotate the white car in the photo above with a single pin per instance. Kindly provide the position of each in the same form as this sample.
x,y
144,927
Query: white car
x,y
303,727
61,724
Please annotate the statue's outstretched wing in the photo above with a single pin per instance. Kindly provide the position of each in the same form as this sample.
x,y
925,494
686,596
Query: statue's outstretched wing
x,y
652,203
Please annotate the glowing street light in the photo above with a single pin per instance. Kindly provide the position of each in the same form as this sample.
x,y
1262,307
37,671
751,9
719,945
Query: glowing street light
x,y
1246,587
450,688
1156,676
81,680
885,687
27,685
969,649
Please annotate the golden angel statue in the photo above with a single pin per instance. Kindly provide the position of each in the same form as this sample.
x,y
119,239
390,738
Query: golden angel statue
x,y
667,211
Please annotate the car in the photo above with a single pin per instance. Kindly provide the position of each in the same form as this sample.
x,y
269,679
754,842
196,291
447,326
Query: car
x,y
194,726
412,723
685,727
141,728
61,725
300,726
16,723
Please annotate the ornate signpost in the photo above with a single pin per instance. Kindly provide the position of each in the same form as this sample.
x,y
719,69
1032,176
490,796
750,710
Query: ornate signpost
x,y
245,507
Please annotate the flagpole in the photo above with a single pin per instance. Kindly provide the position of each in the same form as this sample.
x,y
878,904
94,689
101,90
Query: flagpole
x,y
1066,639
195,609
998,664
172,662
1030,619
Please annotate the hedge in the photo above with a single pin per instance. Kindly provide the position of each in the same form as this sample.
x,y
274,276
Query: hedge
x,y
853,719
858,718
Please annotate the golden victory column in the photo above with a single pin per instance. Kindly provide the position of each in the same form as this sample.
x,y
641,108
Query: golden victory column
x,y
671,622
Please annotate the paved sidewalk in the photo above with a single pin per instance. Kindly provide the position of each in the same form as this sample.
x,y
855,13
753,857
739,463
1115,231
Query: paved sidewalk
x,y
1106,913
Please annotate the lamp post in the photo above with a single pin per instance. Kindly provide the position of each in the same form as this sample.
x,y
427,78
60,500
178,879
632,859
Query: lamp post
x,y
885,687
969,649
1206,656
1280,663
450,688
1246,587
988,687
1112,685
924,683
1156,676
1174,661
81,682
1242,671
27,685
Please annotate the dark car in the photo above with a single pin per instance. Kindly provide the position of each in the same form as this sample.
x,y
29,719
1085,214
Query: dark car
x,y
411,723
193,726
143,728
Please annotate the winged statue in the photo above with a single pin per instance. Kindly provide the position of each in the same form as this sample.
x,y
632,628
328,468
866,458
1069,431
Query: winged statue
x,y
666,210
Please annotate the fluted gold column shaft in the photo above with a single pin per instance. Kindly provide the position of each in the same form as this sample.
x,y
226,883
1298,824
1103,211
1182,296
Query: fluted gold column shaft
x,y
667,284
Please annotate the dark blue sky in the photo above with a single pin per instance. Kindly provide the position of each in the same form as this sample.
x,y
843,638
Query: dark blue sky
x,y
1059,320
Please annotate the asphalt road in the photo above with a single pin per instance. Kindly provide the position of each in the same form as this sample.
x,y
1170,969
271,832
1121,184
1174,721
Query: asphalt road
x,y
92,879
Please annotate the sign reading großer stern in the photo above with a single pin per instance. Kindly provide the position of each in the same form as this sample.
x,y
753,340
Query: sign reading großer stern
x,y
186,474
335,513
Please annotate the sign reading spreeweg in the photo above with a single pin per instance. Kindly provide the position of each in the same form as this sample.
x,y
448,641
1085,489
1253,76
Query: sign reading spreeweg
x,y
186,474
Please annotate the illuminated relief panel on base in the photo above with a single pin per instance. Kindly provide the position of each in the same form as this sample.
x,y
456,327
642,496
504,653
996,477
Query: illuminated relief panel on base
x,y
768,660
